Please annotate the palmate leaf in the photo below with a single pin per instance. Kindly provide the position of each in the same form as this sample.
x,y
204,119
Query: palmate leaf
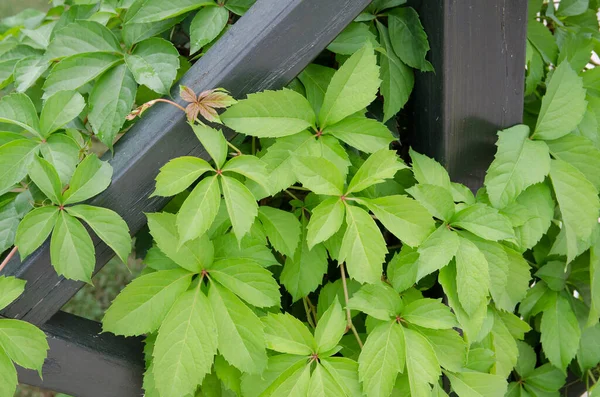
x,y
199,209
382,358
519,163
142,306
154,63
35,228
365,134
241,205
270,114
15,157
206,26
363,247
178,174
11,287
72,251
560,333
24,343
286,334
186,345
91,177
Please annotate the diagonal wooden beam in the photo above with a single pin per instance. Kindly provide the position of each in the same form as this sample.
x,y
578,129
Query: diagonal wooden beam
x,y
265,49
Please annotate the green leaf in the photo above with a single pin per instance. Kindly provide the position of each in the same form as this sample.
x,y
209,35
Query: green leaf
x,y
315,79
408,38
527,359
303,271
34,229
213,141
250,249
142,306
76,70
545,378
363,247
484,221
110,102
194,255
248,280
578,202
15,158
476,384
429,171
437,200
319,175
178,174
206,26
28,70
538,201
241,333
519,163
380,166
352,87
553,273
241,205
379,301
270,114
59,109
365,134
326,219
19,110
154,63
108,225
472,278
199,209
330,328
91,177
572,7
282,229
382,358
402,269
82,37
541,38
421,362
186,345
437,251
429,313
581,153
62,152
294,382
157,10
449,347
11,287
323,384
249,166
588,355
286,334
345,374
352,39
71,249
158,260
8,375
560,333
404,217
24,343
563,105
45,177
279,369
504,346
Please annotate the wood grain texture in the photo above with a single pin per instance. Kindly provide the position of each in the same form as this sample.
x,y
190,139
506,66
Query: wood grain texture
x,y
83,362
478,52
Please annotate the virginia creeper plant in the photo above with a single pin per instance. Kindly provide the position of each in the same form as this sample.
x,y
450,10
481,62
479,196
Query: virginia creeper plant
x,y
306,257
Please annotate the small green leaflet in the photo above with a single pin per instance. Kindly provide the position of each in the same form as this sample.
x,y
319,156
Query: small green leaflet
x,y
429,171
71,249
23,343
59,110
199,209
325,220
476,384
282,229
378,300
422,365
472,278
154,63
437,200
560,333
15,157
91,177
483,221
315,79
319,175
11,287
380,166
408,38
352,38
402,269
178,174
363,133
241,205
206,26
286,334
436,251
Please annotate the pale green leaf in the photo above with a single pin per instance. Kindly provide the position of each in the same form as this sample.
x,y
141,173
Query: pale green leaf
x,y
279,369
568,8
380,166
402,269
91,177
563,105
248,280
581,153
154,63
448,345
28,70
241,205
319,175
377,300
108,225
422,365
437,200
110,102
213,141
228,374
59,109
404,217
518,164
537,199
8,375
429,171
408,38
472,276
241,333
71,249
45,177
578,202
62,152
195,255
34,229
476,384
437,251
19,110
323,384
158,260
294,382
15,158
325,220
142,306
505,348
484,221
553,273
24,343
286,334
330,328
270,114
363,247
527,359
546,378
365,134
560,333
382,358
76,70
429,313
11,287
206,26
158,10
541,38
186,345
352,39
352,87
200,208
345,373
249,166
282,229
82,37
178,174
315,79
588,354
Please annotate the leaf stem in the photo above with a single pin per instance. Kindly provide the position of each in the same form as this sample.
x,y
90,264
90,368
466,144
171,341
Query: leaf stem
x,y
313,309
308,315
350,325
300,188
292,195
8,257
169,101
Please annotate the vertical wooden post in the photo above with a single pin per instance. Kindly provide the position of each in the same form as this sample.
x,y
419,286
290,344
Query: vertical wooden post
x,y
478,52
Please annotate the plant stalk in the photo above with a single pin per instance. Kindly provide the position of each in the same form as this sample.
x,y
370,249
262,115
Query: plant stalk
x,y
350,325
